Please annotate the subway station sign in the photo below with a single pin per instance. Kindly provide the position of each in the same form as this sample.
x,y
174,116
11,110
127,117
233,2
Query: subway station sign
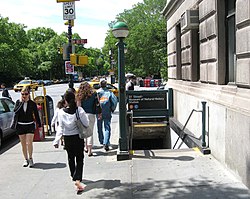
x,y
146,100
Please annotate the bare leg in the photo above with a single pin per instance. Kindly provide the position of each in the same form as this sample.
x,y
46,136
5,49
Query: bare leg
x,y
29,139
89,147
24,145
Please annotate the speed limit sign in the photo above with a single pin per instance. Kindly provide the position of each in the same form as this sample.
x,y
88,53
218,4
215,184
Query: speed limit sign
x,y
69,11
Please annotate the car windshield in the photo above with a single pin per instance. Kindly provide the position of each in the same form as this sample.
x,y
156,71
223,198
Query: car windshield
x,y
24,82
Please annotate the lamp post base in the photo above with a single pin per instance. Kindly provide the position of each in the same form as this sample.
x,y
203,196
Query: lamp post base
x,y
122,155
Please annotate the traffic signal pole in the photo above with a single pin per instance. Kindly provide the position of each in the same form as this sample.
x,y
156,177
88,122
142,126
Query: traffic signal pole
x,y
71,83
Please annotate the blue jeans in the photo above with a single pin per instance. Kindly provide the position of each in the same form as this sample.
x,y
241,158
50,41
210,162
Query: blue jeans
x,y
104,137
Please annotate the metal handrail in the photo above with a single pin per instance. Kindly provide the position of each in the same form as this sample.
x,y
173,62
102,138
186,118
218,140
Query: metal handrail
x,y
183,135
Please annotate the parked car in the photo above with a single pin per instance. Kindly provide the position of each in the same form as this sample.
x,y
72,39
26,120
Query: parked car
x,y
56,81
6,115
31,84
47,82
40,82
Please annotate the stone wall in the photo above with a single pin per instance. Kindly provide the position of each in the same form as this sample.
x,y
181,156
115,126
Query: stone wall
x,y
228,106
243,42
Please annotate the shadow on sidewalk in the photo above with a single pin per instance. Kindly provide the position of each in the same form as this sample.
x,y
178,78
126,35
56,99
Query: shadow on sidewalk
x,y
201,188
149,154
101,184
47,166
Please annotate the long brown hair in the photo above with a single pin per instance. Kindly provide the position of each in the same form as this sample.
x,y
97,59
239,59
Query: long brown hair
x,y
85,91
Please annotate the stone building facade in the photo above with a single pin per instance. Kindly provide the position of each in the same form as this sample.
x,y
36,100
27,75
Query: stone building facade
x,y
209,60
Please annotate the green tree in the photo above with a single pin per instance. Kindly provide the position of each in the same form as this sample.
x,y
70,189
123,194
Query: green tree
x,y
14,55
146,42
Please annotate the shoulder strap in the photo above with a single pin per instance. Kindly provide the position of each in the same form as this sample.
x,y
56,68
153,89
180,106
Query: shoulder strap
x,y
77,114
18,106
98,97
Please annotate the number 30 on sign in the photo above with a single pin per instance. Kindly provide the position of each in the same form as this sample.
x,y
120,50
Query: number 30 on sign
x,y
69,11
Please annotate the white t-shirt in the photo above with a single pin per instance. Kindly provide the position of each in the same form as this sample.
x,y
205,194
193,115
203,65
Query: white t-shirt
x,y
67,123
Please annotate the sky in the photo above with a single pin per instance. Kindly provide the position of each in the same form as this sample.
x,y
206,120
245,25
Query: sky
x,y
92,16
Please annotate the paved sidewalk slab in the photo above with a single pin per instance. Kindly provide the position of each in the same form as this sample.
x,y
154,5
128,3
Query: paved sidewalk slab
x,y
166,174
149,174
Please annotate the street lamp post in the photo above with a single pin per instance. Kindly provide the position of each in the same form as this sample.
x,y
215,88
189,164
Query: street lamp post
x,y
120,31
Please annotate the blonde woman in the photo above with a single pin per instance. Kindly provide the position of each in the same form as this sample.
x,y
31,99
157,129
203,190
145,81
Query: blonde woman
x,y
87,99
25,110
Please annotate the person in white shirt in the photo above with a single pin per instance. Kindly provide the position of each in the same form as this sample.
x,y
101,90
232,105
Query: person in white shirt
x,y
54,121
73,144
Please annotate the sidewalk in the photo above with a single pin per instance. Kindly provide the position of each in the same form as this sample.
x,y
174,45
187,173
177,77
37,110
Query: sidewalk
x,y
150,174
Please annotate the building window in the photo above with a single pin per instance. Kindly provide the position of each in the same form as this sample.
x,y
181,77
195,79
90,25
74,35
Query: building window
x,y
230,33
178,52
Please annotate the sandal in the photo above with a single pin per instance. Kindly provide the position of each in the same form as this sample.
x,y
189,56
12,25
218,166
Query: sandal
x,y
80,188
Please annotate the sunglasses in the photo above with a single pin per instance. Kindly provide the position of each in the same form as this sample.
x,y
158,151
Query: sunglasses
x,y
24,93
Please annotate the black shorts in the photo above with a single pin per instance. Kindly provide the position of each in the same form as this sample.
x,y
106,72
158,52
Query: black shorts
x,y
25,129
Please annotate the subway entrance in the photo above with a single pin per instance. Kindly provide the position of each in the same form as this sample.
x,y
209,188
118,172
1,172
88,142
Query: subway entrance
x,y
148,114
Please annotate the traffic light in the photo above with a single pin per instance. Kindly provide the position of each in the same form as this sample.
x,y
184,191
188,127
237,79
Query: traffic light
x,y
82,60
73,59
78,60
71,23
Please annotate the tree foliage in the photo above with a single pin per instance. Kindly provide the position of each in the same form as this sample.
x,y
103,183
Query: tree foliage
x,y
34,52
13,40
146,43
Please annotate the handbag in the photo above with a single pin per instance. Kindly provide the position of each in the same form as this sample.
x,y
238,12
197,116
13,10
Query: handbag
x,y
84,132
14,122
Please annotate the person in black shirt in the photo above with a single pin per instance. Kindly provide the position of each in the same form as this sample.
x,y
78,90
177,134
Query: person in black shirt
x,y
5,92
130,84
25,111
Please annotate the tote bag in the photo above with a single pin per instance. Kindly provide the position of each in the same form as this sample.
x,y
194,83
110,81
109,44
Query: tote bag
x,y
84,132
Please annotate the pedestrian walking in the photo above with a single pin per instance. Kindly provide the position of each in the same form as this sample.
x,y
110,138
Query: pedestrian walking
x,y
87,99
73,144
54,121
108,103
25,112
5,92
